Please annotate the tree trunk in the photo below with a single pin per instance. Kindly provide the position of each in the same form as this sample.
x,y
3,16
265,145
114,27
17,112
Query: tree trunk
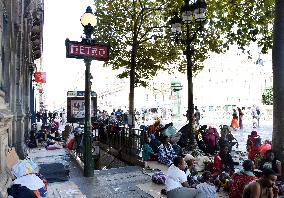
x,y
132,86
131,123
278,81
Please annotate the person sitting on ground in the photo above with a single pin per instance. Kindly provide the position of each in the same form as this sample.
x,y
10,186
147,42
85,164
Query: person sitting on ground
x,y
154,143
207,187
263,187
223,161
166,153
264,147
241,179
190,171
271,162
203,163
223,181
176,181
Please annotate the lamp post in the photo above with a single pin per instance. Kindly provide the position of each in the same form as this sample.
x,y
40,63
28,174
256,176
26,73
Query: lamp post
x,y
192,20
88,21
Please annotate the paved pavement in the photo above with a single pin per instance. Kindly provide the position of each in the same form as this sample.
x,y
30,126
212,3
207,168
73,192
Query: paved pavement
x,y
110,183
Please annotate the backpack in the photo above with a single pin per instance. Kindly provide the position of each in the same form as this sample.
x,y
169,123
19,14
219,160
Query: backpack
x,y
159,177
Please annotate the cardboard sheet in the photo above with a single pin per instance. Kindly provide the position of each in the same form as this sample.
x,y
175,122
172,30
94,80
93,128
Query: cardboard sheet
x,y
12,158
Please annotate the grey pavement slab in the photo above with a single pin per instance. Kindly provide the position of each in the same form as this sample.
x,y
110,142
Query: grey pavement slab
x,y
111,183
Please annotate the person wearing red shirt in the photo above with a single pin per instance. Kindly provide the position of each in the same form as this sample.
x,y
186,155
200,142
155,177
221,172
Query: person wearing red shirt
x,y
241,179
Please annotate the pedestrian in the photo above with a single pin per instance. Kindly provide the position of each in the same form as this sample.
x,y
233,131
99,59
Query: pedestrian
x,y
38,116
50,116
44,118
257,115
263,187
234,122
196,115
240,118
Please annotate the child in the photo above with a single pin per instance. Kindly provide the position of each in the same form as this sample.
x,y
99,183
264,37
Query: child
x,y
207,187
223,180
147,152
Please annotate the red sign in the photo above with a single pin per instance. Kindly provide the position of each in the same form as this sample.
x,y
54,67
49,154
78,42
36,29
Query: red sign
x,y
40,77
80,50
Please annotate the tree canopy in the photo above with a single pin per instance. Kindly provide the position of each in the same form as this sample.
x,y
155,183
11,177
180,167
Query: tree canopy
x,y
125,25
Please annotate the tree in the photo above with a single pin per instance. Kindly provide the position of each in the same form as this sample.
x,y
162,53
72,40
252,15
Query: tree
x,y
278,80
134,32
267,96
140,39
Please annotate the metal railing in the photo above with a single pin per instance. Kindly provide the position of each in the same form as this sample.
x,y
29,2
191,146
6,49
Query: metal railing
x,y
122,139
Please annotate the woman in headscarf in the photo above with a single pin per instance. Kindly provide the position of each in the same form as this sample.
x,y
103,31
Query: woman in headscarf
x,y
166,153
241,179
223,161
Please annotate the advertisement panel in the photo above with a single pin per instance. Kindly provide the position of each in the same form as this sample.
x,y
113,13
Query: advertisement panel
x,y
76,109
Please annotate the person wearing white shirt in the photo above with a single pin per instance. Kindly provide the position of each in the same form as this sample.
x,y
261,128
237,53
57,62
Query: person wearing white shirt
x,y
176,182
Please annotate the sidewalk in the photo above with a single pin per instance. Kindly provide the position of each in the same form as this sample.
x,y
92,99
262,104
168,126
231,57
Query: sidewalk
x,y
109,183
123,182
47,158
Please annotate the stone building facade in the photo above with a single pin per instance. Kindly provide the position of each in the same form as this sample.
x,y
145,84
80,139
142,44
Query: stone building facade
x,y
21,23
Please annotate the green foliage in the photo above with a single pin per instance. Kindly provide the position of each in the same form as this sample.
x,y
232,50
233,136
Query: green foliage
x,y
267,96
139,34
134,31
243,22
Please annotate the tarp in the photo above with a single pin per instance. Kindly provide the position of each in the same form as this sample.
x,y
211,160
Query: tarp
x,y
24,167
54,172
31,181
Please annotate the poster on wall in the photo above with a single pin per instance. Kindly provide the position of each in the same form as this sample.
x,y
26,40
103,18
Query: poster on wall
x,y
76,109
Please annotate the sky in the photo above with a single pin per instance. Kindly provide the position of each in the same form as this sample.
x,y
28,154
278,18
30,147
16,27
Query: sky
x,y
61,21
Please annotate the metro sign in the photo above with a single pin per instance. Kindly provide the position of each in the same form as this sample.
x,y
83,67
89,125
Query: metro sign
x,y
81,50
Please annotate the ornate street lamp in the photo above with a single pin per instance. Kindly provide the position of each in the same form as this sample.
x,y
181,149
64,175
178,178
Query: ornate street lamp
x,y
193,18
88,21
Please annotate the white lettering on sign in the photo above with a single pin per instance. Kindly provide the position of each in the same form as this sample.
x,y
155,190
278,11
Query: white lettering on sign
x,y
71,93
82,49
73,49
94,51
97,51
88,49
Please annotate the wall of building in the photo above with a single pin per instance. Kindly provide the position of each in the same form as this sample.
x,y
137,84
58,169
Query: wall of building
x,y
20,45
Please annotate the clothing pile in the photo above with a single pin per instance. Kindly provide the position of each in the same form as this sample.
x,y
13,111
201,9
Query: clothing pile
x,y
27,178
